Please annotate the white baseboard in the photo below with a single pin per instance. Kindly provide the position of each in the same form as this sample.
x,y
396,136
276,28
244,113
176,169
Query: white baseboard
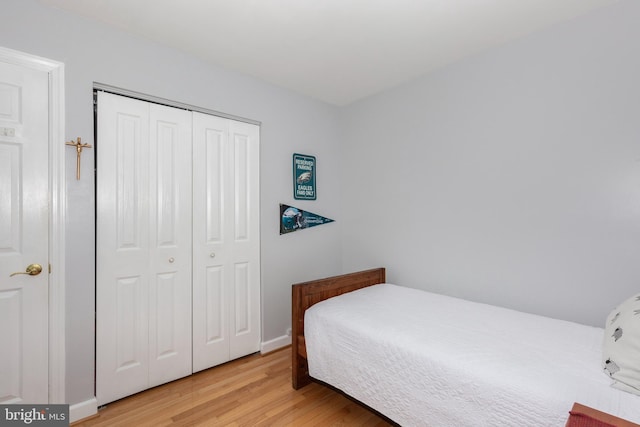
x,y
275,344
82,410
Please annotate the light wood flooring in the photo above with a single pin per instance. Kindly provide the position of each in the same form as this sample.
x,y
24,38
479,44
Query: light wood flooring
x,y
252,391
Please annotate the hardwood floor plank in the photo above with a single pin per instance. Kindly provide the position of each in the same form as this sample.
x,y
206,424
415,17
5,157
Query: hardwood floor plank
x,y
252,391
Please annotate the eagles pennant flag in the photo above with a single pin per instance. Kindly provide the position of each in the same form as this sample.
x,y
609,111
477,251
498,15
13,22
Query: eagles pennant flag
x,y
294,219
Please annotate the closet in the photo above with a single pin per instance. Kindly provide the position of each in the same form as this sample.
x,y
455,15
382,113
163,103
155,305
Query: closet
x,y
177,243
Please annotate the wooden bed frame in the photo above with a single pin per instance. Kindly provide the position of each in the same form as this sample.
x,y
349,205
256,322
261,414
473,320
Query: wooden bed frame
x,y
584,416
304,295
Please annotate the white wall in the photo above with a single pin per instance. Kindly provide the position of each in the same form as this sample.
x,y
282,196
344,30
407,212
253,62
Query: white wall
x,y
512,177
291,123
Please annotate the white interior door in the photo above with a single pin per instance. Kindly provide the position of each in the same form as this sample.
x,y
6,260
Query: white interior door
x,y
24,216
143,295
226,240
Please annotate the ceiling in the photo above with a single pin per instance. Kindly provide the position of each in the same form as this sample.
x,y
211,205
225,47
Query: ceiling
x,y
337,51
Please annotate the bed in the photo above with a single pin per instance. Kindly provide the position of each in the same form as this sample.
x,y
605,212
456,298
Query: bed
x,y
420,358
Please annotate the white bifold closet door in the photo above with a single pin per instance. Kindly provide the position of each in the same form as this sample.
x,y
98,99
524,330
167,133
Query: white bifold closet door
x,y
226,241
178,244
143,246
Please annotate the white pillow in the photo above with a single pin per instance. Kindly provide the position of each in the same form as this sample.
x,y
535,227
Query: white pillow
x,y
621,349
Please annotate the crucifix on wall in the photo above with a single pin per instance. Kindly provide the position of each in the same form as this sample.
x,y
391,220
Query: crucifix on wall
x,y
79,146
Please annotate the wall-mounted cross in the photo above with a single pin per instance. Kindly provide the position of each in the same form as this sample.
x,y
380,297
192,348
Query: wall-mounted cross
x,y
79,146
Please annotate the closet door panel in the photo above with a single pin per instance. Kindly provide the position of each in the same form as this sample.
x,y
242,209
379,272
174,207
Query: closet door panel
x,y
212,202
122,248
143,335
242,194
131,351
241,320
216,339
168,357
170,244
128,160
212,167
245,303
215,297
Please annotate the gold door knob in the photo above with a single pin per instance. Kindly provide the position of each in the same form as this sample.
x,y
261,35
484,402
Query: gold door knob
x,y
32,270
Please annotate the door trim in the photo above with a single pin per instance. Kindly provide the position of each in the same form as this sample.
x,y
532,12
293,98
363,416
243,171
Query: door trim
x,y
57,214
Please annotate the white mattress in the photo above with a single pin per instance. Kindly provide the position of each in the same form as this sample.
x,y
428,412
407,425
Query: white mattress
x,y
424,359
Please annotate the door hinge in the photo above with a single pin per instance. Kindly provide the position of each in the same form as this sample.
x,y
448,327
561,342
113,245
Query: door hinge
x,y
49,268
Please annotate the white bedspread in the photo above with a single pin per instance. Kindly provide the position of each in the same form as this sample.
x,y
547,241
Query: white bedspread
x,y
424,359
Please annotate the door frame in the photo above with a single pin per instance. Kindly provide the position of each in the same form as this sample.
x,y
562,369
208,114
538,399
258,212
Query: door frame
x,y
57,214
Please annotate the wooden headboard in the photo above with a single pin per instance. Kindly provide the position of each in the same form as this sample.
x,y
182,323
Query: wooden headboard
x,y
304,295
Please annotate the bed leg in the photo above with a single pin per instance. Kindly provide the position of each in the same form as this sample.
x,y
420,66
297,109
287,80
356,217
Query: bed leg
x,y
300,375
